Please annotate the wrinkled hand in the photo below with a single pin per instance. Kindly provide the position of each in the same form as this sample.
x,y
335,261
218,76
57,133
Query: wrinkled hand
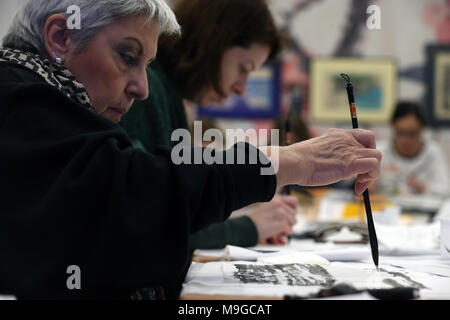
x,y
338,154
274,220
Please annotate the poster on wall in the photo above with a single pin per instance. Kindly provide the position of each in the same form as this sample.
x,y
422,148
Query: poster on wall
x,y
438,84
261,101
374,82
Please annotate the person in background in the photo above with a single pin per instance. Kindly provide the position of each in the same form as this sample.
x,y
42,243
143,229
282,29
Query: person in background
x,y
222,42
259,223
298,128
412,164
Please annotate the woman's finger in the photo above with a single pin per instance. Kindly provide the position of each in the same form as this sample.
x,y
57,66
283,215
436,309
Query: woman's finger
x,y
361,187
291,201
370,166
364,137
287,215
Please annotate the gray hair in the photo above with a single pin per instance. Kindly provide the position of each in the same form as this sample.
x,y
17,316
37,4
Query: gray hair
x,y
27,30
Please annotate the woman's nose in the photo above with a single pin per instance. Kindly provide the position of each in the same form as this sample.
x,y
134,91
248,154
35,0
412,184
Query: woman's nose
x,y
138,86
240,88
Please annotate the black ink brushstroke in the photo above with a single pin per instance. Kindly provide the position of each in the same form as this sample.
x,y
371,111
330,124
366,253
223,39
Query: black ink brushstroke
x,y
290,274
396,284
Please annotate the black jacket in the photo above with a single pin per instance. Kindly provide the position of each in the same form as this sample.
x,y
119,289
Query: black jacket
x,y
73,191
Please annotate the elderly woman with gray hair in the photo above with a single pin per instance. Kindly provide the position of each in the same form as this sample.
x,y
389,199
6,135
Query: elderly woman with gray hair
x,y
82,213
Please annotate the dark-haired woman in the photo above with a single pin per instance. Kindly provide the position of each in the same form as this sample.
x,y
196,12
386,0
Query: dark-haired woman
x,y
411,163
222,42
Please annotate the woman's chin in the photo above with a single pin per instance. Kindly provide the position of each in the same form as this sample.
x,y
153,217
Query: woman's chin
x,y
205,103
216,101
113,115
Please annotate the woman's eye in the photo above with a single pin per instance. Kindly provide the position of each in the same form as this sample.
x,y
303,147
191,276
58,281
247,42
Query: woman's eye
x,y
243,70
129,59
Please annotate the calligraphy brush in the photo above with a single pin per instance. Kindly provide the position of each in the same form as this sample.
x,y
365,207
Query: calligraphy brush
x,y
371,227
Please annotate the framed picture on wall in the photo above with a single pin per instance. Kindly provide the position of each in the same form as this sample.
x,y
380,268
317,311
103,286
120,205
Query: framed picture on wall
x,y
374,82
262,99
438,84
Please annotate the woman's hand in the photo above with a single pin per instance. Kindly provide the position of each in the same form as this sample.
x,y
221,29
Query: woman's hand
x,y
274,220
338,154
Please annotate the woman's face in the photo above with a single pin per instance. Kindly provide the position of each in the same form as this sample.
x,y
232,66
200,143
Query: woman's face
x,y
236,65
113,65
407,136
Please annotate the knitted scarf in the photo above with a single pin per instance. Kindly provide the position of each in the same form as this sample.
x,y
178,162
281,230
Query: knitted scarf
x,y
54,74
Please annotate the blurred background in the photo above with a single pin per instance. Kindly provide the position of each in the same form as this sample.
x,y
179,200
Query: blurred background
x,y
404,57
396,62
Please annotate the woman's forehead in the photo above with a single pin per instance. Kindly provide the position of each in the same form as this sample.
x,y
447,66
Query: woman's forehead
x,y
408,120
139,30
136,25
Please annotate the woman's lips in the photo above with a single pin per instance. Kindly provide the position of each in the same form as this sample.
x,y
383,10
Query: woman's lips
x,y
116,113
220,100
119,111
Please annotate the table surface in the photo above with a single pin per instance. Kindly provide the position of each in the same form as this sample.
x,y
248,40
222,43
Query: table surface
x,y
309,212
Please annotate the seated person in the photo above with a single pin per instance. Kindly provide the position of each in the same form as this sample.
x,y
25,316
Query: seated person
x,y
214,71
258,223
292,128
411,163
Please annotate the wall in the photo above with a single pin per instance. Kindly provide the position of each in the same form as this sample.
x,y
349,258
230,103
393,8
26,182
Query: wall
x,y
338,28
7,11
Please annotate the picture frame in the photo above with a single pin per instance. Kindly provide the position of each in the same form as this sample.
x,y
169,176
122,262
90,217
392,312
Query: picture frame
x,y
262,99
374,82
438,84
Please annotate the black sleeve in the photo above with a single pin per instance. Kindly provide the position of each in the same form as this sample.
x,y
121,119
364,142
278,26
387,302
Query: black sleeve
x,y
239,231
74,192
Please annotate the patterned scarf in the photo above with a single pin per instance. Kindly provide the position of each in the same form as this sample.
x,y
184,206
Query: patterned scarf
x,y
54,74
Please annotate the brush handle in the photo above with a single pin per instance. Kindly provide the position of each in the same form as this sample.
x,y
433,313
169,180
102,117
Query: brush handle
x,y
370,225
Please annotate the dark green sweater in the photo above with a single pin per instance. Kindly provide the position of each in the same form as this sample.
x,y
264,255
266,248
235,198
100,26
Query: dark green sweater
x,y
150,124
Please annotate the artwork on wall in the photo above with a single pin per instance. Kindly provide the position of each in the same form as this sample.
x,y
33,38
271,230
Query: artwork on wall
x,y
261,100
438,84
374,82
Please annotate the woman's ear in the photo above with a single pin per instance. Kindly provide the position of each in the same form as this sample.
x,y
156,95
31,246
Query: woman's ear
x,y
56,37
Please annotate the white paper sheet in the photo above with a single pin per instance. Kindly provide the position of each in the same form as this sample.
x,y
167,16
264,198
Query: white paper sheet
x,y
282,256
356,253
209,279
300,245
255,279
418,202
333,253
433,265
408,240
